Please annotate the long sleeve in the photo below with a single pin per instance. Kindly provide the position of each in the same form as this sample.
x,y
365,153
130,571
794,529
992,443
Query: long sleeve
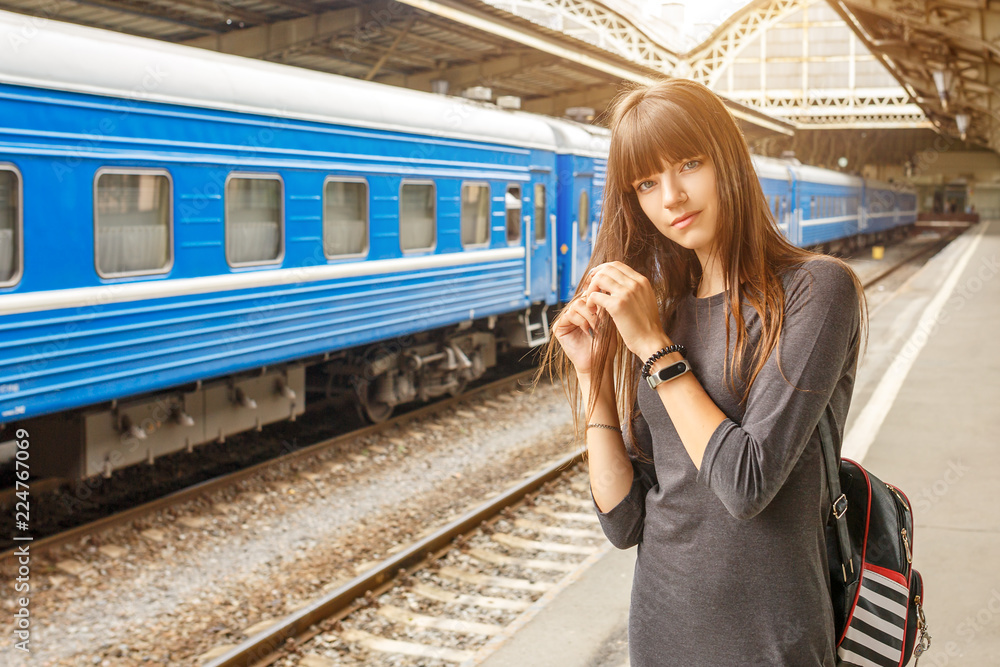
x,y
746,464
623,523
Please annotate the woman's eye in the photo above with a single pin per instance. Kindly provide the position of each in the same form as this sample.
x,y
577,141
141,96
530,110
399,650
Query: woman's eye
x,y
694,162
641,187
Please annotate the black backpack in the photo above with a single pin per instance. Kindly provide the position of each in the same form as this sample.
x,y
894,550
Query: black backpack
x,y
877,595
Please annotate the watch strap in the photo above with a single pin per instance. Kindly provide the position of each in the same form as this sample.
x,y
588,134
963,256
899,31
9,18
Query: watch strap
x,y
668,373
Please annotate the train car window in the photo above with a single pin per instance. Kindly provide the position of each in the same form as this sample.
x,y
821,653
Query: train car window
x,y
540,226
512,204
132,220
812,206
417,216
10,225
475,214
254,217
345,217
584,214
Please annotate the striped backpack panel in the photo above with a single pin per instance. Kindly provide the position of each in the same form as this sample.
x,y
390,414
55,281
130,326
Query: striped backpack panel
x,y
875,635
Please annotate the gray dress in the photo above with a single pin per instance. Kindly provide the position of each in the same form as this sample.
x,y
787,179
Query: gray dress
x,y
731,568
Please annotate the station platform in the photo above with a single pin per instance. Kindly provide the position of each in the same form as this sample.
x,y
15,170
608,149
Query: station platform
x,y
926,416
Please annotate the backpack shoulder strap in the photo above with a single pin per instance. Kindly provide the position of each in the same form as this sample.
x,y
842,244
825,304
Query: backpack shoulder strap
x,y
837,497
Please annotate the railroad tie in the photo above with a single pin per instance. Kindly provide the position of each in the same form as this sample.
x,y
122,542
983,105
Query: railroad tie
x,y
534,545
400,615
488,580
373,643
494,558
466,600
556,530
582,503
580,517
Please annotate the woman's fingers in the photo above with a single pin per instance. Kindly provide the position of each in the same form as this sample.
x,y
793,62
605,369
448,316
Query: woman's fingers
x,y
605,301
620,272
625,270
609,283
584,317
576,314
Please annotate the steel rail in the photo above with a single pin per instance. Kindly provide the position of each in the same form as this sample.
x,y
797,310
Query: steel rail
x,y
936,247
265,647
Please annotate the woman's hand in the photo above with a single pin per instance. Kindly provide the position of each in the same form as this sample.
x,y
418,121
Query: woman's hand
x,y
575,331
629,298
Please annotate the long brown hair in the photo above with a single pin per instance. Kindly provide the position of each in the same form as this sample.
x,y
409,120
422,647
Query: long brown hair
x,y
653,126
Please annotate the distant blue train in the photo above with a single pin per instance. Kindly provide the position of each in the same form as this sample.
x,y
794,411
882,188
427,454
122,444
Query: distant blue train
x,y
190,241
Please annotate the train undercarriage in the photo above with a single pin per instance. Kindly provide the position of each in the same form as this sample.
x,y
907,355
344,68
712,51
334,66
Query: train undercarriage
x,y
99,439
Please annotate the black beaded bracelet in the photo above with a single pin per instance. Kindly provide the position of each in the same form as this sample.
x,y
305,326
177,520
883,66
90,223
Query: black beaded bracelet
x,y
656,355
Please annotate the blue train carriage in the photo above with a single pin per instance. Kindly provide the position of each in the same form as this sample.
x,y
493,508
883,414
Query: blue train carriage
x,y
829,207
890,208
581,172
190,241
777,180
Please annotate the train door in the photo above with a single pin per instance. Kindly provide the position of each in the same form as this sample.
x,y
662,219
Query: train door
x,y
793,210
863,209
539,234
583,226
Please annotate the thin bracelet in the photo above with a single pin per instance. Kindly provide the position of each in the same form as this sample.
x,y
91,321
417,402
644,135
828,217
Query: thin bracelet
x,y
613,428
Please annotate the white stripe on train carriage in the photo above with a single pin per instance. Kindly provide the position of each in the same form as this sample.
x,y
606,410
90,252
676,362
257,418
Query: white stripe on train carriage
x,y
828,221
887,214
90,297
866,427
845,218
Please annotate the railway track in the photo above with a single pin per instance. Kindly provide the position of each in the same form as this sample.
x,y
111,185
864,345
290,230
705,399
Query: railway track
x,y
45,544
453,596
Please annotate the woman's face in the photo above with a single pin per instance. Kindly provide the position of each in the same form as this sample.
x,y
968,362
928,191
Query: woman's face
x,y
671,197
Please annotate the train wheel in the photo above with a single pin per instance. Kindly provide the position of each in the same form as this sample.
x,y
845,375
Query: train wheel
x,y
369,407
458,388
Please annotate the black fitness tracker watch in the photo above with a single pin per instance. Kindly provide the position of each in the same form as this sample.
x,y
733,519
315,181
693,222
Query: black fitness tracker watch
x,y
668,373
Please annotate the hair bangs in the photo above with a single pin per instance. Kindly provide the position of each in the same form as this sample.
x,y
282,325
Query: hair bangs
x,y
650,136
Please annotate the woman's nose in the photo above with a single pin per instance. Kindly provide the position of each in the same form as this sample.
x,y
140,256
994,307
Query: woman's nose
x,y
672,195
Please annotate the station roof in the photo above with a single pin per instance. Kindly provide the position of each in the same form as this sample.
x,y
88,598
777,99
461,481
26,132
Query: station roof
x,y
944,52
410,43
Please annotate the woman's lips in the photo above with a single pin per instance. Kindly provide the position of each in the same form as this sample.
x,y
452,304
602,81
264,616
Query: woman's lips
x,y
686,221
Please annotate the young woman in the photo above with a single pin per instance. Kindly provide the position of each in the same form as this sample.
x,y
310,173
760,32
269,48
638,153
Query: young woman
x,y
722,483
